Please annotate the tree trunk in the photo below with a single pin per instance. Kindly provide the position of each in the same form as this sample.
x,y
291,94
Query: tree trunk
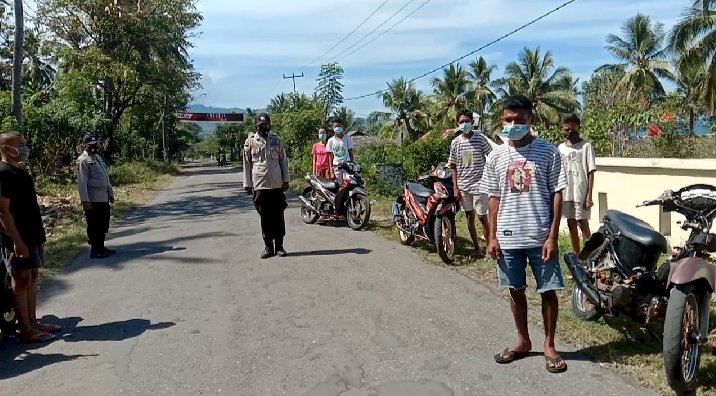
x,y
18,55
691,122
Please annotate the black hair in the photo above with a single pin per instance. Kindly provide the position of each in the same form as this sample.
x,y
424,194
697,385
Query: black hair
x,y
463,112
571,118
338,121
518,102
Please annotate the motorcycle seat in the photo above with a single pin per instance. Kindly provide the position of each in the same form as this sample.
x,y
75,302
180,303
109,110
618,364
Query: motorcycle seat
x,y
638,230
419,190
327,183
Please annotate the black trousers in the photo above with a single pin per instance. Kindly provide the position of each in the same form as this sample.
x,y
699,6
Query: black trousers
x,y
97,225
271,204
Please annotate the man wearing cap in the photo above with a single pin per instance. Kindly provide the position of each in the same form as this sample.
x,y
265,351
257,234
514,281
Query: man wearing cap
x,y
96,194
266,177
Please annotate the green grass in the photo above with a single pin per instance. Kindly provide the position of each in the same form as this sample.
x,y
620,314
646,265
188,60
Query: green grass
x,y
612,342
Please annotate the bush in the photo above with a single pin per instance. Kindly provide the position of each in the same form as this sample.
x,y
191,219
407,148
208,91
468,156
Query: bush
x,y
140,172
421,155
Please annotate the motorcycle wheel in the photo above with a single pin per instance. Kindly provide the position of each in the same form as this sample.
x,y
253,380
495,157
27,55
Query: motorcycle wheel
x,y
681,348
358,212
445,238
405,238
582,307
308,216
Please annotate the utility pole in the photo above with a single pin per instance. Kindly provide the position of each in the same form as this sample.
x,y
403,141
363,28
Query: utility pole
x,y
293,77
17,57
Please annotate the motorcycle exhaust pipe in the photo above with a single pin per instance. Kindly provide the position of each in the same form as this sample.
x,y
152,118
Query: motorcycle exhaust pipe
x,y
307,204
581,278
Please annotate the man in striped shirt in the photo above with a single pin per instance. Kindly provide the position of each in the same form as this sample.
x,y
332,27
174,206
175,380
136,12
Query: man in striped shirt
x,y
467,160
524,179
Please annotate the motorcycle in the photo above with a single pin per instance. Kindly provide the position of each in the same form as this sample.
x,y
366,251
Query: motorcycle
x,y
327,199
429,214
617,273
8,320
222,160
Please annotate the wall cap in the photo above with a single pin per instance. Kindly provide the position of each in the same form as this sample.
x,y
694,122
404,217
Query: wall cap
x,y
661,163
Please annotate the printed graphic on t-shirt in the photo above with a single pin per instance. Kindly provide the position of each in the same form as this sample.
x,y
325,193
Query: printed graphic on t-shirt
x,y
519,176
572,164
468,157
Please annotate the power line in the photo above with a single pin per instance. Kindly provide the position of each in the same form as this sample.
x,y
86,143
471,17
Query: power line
x,y
349,34
293,77
475,51
374,30
387,30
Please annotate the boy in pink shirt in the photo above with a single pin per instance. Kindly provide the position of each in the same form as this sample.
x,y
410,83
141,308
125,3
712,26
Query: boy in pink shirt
x,y
321,157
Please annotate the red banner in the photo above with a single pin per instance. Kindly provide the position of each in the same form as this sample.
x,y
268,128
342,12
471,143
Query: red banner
x,y
217,117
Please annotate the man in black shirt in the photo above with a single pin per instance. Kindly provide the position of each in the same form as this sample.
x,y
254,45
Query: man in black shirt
x,y
22,234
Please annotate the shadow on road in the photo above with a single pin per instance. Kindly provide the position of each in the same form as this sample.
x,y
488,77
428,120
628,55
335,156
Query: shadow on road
x,y
330,252
17,360
190,207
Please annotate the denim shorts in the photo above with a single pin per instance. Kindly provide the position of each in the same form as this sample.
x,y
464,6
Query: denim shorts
x,y
15,264
512,270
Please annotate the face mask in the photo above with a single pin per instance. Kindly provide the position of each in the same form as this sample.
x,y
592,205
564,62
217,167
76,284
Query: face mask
x,y
338,130
515,131
571,135
465,127
322,136
264,130
93,149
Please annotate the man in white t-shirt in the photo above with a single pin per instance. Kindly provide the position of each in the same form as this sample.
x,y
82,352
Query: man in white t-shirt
x,y
579,161
340,147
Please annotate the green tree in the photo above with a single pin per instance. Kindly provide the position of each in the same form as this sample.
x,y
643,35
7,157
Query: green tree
x,y
551,88
483,95
643,56
407,104
452,93
330,88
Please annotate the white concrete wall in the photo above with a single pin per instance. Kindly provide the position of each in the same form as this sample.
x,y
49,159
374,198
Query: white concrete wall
x,y
623,183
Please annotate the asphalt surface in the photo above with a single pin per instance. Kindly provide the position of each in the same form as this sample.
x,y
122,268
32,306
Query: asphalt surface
x,y
187,308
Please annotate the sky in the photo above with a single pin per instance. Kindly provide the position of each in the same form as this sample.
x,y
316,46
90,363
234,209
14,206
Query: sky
x,y
245,47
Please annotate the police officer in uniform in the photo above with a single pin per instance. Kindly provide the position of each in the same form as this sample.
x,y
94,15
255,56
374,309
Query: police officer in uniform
x,y
266,177
96,194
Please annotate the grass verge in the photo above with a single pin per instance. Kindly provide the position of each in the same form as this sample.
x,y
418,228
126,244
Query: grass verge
x,y
135,185
612,342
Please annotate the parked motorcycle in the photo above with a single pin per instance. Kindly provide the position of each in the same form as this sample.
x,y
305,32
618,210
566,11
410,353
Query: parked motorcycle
x,y
329,200
429,214
8,320
621,276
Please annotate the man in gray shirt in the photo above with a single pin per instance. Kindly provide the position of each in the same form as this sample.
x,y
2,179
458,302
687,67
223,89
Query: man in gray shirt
x,y
96,194
266,177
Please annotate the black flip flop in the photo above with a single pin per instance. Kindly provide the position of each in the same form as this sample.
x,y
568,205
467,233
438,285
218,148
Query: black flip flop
x,y
508,356
555,361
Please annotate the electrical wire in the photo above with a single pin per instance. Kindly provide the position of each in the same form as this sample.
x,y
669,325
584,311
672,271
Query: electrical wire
x,y
373,31
475,51
388,30
349,34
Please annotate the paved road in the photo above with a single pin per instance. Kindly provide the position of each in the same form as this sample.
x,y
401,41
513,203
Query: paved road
x,y
187,308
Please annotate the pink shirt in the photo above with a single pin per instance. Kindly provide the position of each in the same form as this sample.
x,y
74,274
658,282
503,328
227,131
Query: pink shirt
x,y
323,160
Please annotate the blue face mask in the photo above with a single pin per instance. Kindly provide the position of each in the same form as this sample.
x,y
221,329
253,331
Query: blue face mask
x,y
465,127
516,131
338,130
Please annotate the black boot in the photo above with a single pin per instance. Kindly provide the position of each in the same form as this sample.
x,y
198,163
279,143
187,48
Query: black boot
x,y
279,248
268,251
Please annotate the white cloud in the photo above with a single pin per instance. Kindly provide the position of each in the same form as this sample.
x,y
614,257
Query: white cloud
x,y
247,45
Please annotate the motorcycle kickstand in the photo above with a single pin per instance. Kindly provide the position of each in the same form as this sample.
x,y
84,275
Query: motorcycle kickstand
x,y
648,330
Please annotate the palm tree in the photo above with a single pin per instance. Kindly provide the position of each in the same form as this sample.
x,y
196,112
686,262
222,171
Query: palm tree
x,y
551,89
484,96
694,39
406,102
691,82
279,103
452,93
642,54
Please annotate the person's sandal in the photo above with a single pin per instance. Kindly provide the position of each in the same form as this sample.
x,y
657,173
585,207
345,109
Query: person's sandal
x,y
49,328
38,337
508,356
555,365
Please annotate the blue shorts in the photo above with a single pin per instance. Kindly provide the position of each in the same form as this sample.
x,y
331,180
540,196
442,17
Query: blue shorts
x,y
512,266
